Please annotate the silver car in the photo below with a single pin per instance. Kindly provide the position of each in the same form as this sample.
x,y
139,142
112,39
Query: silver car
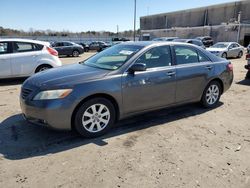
x,y
121,81
227,49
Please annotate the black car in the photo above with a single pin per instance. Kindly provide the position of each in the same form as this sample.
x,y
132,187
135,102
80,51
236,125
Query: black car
x,y
85,46
98,46
206,40
191,41
68,48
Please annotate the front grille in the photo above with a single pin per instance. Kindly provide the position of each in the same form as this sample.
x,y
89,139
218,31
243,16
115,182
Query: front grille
x,y
25,92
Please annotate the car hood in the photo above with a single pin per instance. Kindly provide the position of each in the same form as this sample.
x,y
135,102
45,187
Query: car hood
x,y
66,76
216,49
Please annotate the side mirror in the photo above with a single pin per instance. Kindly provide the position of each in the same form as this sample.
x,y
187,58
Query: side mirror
x,y
138,67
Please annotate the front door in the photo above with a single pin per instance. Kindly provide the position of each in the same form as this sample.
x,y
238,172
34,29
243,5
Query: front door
x,y
152,88
5,62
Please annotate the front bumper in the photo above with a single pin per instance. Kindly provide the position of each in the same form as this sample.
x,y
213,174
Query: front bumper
x,y
55,114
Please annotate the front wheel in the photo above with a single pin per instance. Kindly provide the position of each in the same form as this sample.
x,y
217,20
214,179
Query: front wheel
x,y
211,94
42,68
95,117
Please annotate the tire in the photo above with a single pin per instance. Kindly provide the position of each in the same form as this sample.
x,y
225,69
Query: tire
x,y
211,94
224,55
248,75
91,124
75,53
42,68
240,54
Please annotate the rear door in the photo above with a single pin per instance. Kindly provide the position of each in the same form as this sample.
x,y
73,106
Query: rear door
x,y
24,58
58,46
193,69
5,61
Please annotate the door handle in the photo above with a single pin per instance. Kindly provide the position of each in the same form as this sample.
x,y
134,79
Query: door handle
x,y
209,67
170,74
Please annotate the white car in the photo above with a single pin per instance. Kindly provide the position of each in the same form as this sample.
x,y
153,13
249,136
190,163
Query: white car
x,y
23,58
227,49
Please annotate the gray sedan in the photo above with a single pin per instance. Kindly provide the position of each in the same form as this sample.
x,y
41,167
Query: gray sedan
x,y
124,80
227,49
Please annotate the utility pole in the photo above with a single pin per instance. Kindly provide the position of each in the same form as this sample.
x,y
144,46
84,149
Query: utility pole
x,y
239,26
117,27
135,20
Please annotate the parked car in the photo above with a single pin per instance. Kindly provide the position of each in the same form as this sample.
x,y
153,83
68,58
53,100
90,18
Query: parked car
x,y
247,66
85,46
191,41
248,49
206,40
121,81
98,46
227,49
165,39
22,58
68,48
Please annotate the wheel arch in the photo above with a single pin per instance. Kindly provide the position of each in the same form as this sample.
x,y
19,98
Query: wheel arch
x,y
98,95
219,81
41,65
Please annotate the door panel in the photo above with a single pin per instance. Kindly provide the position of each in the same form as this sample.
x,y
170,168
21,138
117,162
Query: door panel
x,y
191,80
149,89
24,64
5,65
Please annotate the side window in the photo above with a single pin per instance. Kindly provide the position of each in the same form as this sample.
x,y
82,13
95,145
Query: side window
x,y
156,57
67,44
202,57
4,48
185,55
19,47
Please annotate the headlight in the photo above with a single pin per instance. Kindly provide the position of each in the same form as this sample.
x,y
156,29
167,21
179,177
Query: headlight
x,y
53,94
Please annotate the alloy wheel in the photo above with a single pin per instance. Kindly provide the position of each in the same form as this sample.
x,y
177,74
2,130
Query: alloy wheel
x,y
96,118
212,94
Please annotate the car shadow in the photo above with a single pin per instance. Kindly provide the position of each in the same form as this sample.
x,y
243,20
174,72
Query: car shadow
x,y
245,82
20,139
12,81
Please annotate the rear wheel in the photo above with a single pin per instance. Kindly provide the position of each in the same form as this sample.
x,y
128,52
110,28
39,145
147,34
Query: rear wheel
x,y
42,68
211,94
240,54
75,53
95,117
224,55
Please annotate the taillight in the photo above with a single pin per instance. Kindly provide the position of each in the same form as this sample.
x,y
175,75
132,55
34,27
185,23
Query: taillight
x,y
248,57
230,67
52,51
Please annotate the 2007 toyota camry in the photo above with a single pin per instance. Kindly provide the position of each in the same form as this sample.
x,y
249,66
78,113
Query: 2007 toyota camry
x,y
122,81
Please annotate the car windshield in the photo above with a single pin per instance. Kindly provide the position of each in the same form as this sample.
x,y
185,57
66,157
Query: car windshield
x,y
113,57
220,45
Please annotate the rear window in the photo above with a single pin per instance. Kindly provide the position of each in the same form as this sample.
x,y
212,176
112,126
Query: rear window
x,y
19,47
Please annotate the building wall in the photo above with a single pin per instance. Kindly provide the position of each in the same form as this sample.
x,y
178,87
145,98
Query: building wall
x,y
218,33
212,15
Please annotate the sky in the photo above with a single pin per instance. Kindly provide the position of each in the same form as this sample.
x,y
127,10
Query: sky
x,y
85,15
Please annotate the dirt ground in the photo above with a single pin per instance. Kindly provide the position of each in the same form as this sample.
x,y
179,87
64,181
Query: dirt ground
x,y
186,146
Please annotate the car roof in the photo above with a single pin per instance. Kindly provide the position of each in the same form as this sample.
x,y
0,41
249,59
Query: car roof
x,y
154,43
24,40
